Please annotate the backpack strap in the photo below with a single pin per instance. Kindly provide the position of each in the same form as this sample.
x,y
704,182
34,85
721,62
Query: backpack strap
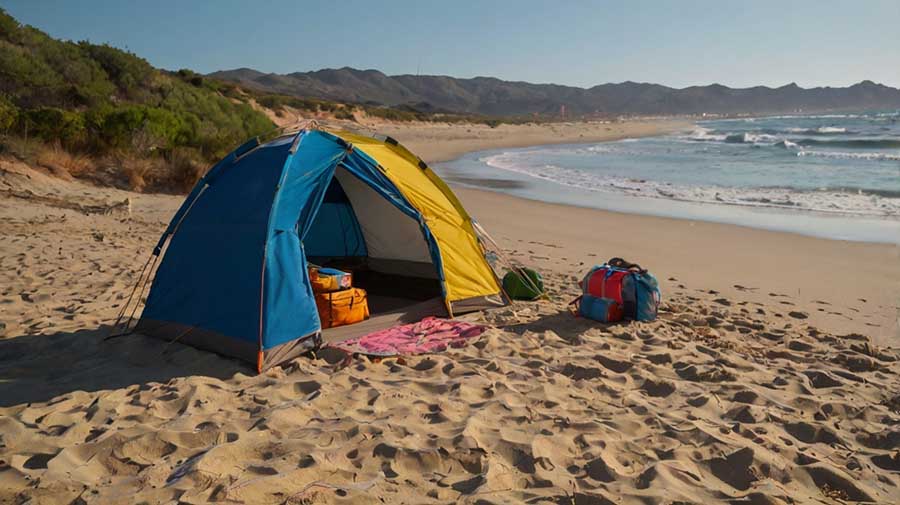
x,y
627,265
573,306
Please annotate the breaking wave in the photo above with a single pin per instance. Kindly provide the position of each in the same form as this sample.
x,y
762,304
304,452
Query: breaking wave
x,y
848,201
751,138
822,130
853,143
706,135
787,144
833,163
838,155
833,142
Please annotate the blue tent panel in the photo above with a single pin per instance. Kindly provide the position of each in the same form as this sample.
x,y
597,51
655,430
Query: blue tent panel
x,y
289,307
210,275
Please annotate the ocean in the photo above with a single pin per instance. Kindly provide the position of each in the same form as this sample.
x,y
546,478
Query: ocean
x,y
835,176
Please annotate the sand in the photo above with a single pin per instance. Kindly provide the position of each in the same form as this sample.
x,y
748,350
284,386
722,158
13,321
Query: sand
x,y
742,392
436,142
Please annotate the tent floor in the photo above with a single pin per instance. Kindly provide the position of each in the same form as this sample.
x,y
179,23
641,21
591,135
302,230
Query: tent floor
x,y
420,297
385,312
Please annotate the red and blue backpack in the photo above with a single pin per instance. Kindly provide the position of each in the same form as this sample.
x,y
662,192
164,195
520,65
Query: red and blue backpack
x,y
618,290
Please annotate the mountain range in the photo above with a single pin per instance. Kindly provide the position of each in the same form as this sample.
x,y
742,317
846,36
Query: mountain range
x,y
496,97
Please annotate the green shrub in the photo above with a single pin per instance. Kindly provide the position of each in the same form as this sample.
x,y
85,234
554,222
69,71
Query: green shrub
x,y
345,113
307,105
8,25
273,102
185,169
128,72
8,114
52,124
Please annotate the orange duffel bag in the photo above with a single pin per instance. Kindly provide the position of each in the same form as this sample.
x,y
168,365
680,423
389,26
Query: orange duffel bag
x,y
338,308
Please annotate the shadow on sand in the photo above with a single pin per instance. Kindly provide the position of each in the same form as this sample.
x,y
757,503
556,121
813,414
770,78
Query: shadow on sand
x,y
563,323
38,368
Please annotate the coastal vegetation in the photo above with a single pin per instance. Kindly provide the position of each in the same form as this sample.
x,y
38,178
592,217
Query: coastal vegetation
x,y
81,105
98,112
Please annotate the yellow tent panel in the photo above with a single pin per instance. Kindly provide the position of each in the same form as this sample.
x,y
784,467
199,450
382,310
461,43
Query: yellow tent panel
x,y
468,278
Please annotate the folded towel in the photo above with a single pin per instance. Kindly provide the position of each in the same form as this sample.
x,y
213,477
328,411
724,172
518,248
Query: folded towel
x,y
428,335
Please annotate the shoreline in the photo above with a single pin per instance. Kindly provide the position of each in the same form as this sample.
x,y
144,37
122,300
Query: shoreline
x,y
702,255
496,187
465,172
502,187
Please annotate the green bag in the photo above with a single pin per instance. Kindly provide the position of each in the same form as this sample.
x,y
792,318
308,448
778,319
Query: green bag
x,y
520,289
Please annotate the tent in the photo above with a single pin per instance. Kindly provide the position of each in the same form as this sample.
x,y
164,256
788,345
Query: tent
x,y
233,276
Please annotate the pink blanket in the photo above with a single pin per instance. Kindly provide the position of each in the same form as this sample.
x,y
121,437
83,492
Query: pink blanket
x,y
428,335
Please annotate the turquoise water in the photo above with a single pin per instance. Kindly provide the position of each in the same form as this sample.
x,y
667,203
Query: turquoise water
x,y
835,176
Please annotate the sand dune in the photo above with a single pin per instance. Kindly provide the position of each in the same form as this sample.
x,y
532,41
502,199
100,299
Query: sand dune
x,y
728,398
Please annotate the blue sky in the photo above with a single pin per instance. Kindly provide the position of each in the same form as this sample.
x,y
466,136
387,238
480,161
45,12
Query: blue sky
x,y
677,43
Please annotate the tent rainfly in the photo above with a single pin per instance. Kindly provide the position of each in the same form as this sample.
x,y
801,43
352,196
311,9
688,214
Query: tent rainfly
x,y
233,275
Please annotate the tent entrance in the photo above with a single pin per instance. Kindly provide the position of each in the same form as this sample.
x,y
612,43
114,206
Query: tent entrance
x,y
358,230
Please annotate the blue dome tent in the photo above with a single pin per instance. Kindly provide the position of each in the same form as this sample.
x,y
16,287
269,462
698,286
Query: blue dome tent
x,y
233,275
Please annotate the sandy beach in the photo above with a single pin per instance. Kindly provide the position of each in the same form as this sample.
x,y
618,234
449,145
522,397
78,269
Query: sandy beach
x,y
436,142
772,375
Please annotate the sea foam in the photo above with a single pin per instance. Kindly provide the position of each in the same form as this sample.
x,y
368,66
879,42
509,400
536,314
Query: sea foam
x,y
836,201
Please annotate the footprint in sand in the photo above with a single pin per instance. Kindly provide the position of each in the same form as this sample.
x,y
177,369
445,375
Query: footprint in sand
x,y
658,389
735,469
836,486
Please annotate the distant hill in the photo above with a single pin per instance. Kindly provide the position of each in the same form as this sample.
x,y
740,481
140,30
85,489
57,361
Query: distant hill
x,y
495,97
